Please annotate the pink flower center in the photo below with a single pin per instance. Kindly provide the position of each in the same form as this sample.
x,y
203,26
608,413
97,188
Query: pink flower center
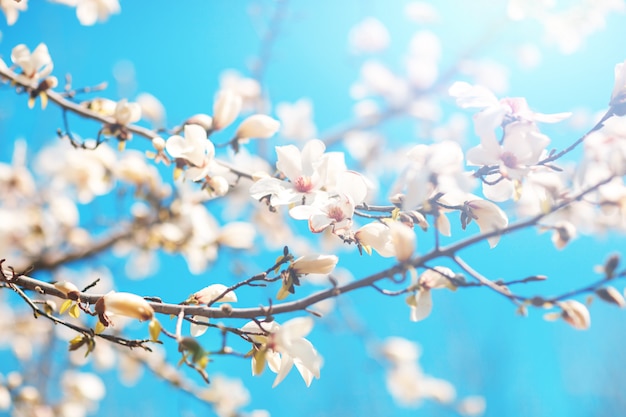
x,y
336,213
509,159
303,184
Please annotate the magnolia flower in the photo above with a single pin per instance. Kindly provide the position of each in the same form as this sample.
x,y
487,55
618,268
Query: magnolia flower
x,y
208,295
226,108
498,112
521,148
431,169
421,302
336,212
375,236
403,240
194,147
302,168
314,264
12,8
283,346
35,65
258,126
127,113
488,216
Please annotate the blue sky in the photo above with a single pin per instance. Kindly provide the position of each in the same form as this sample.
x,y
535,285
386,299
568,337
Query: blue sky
x,y
474,339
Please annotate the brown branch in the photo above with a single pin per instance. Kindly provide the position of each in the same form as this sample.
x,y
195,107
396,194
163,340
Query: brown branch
x,y
67,105
300,305
52,261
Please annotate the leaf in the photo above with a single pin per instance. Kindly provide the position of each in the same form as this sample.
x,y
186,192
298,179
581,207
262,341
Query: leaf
x,y
258,362
100,327
282,293
66,304
74,311
77,342
155,329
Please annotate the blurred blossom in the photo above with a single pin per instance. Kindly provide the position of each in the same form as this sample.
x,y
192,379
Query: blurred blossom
x,y
88,172
226,108
491,74
529,55
399,350
368,36
89,12
296,119
35,65
305,170
151,109
194,148
284,346
421,12
83,386
248,89
422,62
227,395
472,406
12,9
376,79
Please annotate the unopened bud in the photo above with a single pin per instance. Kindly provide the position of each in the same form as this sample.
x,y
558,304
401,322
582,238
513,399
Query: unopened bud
x,y
219,185
158,143
128,305
203,120
226,109
314,264
257,126
70,290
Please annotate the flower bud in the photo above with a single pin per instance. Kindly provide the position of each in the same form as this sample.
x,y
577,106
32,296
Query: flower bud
x,y
576,314
314,264
219,185
257,126
376,236
127,113
210,293
226,108
70,290
128,305
611,295
158,143
201,119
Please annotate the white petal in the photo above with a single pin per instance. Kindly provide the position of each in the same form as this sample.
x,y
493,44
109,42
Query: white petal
x,y
424,305
286,363
197,330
